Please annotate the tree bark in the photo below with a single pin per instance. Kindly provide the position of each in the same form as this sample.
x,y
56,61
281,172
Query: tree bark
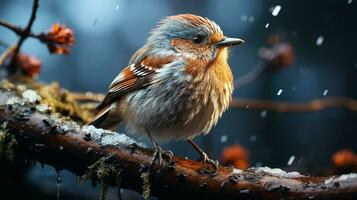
x,y
32,132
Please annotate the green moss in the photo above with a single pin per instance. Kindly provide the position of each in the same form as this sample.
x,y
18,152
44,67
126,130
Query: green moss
x,y
58,99
61,101
6,85
7,143
3,132
104,170
145,176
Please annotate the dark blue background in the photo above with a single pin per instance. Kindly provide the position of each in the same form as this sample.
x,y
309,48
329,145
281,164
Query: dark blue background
x,y
108,32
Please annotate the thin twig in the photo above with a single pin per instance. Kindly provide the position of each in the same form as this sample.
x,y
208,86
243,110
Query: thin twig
x,y
19,31
311,106
27,31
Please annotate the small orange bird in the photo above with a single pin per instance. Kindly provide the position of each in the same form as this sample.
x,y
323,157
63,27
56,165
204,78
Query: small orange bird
x,y
176,86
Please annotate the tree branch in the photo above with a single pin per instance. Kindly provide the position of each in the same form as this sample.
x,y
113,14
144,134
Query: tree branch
x,y
311,106
112,159
25,34
18,30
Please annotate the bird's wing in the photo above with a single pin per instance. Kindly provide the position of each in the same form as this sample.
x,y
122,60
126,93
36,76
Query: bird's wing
x,y
133,77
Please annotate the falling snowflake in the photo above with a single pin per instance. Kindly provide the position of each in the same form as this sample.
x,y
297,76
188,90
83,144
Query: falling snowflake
x,y
251,19
263,113
291,160
224,138
267,25
325,92
117,7
279,92
276,10
349,1
319,40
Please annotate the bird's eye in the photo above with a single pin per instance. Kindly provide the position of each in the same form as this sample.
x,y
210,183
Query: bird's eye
x,y
197,39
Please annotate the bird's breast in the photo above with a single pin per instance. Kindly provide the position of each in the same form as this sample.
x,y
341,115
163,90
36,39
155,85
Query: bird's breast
x,y
214,90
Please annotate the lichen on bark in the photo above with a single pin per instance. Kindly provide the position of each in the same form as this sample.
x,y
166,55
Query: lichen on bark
x,y
7,143
145,176
102,171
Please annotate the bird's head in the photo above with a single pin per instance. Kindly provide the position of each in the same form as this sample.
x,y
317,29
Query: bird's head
x,y
190,35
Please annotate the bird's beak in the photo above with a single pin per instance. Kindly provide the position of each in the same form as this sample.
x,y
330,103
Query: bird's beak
x,y
227,42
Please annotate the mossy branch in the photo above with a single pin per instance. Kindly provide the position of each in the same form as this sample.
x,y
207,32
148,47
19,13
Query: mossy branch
x,y
113,159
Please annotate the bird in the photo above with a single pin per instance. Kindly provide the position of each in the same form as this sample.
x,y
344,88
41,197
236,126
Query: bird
x,y
175,87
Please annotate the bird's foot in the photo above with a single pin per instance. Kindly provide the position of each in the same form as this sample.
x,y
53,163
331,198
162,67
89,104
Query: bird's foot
x,y
159,153
206,160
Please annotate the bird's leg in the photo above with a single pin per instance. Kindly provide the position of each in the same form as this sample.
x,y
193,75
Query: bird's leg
x,y
203,155
158,151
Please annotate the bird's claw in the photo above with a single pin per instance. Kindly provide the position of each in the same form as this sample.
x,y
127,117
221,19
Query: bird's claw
x,y
206,160
159,153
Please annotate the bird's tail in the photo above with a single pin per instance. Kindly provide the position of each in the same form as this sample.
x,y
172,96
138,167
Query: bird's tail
x,y
104,119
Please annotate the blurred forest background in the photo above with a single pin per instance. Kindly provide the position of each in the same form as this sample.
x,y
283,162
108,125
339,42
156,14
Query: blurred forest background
x,y
323,34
